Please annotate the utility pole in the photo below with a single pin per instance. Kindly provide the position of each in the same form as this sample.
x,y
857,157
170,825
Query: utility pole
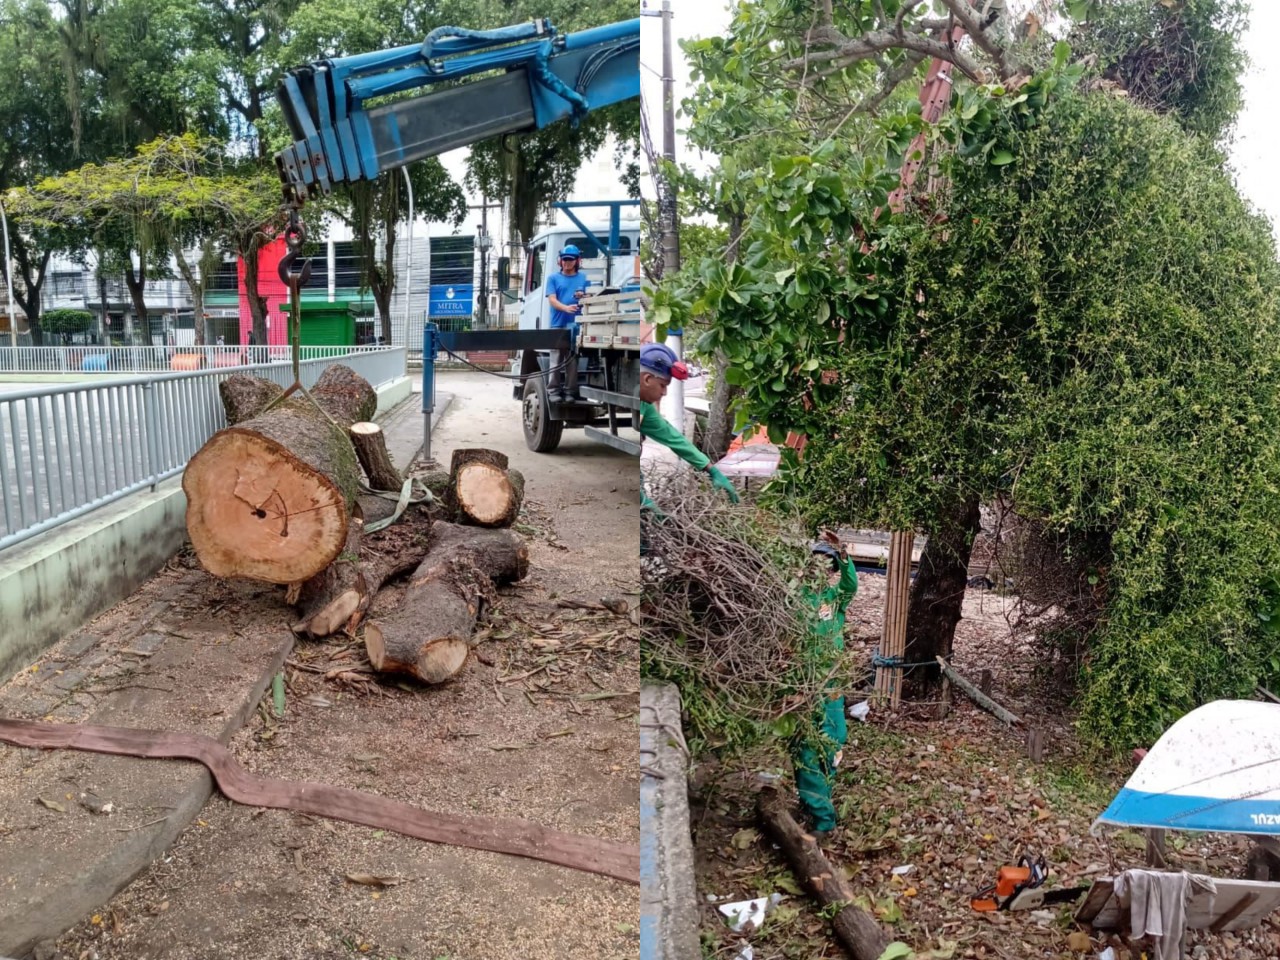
x,y
670,213
483,243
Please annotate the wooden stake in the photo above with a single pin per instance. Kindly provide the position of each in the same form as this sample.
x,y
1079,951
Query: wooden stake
x,y
893,641
1035,744
984,682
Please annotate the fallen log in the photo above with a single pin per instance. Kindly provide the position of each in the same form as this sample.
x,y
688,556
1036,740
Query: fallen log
x,y
855,928
371,450
482,490
337,599
429,635
977,696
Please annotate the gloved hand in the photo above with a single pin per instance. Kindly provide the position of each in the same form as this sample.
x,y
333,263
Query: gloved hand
x,y
719,480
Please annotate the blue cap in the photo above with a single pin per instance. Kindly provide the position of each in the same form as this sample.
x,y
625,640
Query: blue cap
x,y
570,251
661,360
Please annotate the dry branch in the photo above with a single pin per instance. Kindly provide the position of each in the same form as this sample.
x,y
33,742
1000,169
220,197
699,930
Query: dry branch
x,y
977,696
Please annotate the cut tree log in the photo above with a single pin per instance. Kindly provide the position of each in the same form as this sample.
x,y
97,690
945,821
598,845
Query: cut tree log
x,y
856,929
371,449
345,395
338,598
269,498
429,635
482,490
244,397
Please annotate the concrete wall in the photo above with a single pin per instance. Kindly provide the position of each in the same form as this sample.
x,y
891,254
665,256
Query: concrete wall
x,y
55,583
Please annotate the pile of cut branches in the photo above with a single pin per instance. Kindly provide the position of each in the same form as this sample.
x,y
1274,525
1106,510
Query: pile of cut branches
x,y
723,616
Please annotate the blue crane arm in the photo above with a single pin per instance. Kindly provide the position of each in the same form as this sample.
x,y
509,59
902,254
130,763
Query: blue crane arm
x,y
530,76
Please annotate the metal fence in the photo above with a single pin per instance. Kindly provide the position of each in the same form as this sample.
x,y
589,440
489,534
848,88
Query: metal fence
x,y
93,359
68,449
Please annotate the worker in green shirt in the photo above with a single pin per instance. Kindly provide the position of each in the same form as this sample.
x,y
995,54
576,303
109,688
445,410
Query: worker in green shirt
x,y
817,755
658,365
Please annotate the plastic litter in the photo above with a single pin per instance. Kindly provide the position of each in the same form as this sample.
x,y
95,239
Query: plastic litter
x,y
748,913
860,710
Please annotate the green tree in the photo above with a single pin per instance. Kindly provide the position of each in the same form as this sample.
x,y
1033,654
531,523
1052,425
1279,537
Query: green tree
x,y
922,349
534,170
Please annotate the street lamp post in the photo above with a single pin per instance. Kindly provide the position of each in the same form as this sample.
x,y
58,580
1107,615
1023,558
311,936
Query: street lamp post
x,y
8,276
408,270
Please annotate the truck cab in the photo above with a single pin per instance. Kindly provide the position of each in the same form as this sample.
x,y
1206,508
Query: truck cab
x,y
617,270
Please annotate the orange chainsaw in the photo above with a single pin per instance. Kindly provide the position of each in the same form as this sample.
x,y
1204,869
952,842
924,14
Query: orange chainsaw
x,y
1022,888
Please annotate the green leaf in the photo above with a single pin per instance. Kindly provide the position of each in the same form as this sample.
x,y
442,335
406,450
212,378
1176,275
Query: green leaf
x,y
897,951
1062,51
1001,157
779,278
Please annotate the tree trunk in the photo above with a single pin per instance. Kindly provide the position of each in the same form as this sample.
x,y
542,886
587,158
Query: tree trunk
x,y
482,491
855,928
27,294
719,422
938,593
345,395
269,497
194,285
371,449
429,636
382,281
136,282
257,302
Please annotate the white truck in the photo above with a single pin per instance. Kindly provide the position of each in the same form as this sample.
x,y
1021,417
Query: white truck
x,y
611,326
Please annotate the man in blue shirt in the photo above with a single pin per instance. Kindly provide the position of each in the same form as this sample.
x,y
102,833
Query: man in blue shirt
x,y
564,290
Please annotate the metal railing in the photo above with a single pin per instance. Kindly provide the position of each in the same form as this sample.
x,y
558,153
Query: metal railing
x,y
67,450
95,359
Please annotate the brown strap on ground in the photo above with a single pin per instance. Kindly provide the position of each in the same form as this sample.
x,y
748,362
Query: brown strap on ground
x,y
519,838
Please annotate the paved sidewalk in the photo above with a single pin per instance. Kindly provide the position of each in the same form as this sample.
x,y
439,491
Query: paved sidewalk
x,y
170,657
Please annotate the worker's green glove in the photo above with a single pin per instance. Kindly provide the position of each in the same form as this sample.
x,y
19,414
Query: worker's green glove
x,y
718,479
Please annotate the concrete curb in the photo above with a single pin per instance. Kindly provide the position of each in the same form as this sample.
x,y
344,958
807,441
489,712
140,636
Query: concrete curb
x,y
65,901
668,891
53,583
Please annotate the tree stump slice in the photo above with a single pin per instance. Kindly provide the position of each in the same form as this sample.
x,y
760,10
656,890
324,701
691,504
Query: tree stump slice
x,y
269,499
371,450
460,458
486,495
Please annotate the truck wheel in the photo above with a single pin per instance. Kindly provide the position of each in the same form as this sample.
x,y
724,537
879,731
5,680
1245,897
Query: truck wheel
x,y
541,433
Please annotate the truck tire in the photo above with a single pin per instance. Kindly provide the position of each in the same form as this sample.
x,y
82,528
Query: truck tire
x,y
541,433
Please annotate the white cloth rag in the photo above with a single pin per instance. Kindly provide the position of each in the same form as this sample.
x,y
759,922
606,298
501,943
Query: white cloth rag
x,y
1157,904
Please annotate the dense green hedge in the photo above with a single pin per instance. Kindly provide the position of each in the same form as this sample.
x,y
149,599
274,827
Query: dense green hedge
x,y
1096,338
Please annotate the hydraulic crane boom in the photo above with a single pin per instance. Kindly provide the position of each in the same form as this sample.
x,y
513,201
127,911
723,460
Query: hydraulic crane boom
x,y
545,76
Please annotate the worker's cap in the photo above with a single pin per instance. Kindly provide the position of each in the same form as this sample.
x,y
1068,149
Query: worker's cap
x,y
825,549
571,252
661,361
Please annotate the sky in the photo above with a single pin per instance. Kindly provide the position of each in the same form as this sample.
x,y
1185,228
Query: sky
x,y
1256,131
